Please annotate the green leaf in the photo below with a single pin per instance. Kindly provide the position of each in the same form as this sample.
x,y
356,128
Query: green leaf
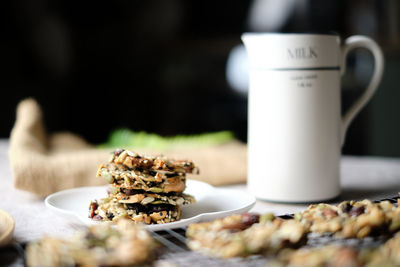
x,y
127,138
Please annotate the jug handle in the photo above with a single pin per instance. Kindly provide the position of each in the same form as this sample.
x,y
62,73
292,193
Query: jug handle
x,y
350,43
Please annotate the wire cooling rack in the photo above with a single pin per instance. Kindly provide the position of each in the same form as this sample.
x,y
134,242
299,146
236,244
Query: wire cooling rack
x,y
176,253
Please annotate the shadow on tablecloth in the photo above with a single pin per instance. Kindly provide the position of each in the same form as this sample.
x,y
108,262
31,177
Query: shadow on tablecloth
x,y
359,193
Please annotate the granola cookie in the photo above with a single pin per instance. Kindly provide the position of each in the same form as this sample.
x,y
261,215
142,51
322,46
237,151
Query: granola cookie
x,y
132,160
244,235
148,180
331,255
351,219
106,209
387,254
126,244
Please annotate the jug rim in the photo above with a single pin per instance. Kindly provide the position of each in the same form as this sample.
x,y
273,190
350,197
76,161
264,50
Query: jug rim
x,y
319,33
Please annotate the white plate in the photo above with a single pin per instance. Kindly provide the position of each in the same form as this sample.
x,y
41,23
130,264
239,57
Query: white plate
x,y
211,203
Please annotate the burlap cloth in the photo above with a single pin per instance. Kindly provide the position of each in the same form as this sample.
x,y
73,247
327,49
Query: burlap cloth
x,y
43,163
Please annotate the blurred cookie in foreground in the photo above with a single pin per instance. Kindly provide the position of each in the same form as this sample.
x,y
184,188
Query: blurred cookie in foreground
x,y
352,219
331,255
386,254
126,244
244,235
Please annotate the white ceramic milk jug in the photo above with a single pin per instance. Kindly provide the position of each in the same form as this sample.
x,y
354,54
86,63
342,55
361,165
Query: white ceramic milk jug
x,y
295,128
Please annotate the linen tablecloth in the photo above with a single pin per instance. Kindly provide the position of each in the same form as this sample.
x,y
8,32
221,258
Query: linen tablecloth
x,y
361,177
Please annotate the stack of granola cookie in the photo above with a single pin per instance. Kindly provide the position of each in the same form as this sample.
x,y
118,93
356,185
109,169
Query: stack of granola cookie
x,y
145,189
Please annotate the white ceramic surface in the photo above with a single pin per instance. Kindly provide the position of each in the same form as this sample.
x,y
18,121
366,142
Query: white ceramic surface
x,y
211,203
295,127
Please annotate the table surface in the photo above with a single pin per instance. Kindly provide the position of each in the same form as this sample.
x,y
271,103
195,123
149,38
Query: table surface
x,y
361,177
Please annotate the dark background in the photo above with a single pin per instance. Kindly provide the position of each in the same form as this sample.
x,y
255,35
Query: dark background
x,y
159,66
